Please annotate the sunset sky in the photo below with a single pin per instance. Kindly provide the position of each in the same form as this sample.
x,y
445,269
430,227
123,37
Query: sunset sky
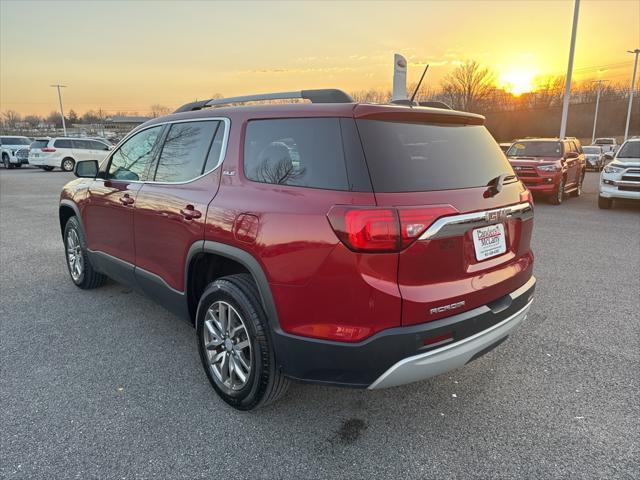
x,y
126,56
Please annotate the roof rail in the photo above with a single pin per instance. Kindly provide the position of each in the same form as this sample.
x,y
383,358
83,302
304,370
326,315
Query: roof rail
x,y
328,95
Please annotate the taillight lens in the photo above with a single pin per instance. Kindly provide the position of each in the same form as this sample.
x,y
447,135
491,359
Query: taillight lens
x,y
378,230
526,196
48,149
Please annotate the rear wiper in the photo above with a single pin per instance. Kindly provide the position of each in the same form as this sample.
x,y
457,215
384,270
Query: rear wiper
x,y
495,184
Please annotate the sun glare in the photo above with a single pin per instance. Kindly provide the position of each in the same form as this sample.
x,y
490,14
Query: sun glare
x,y
517,82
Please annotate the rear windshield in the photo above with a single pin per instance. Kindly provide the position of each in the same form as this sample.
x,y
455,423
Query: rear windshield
x,y
412,157
15,141
629,150
535,149
40,144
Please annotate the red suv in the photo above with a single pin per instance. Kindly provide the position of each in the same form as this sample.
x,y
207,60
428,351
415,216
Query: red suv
x,y
330,242
550,166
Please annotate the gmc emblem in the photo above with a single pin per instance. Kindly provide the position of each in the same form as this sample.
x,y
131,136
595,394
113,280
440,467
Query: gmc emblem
x,y
497,215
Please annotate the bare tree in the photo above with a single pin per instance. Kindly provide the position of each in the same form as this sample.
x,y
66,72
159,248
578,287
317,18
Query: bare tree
x,y
33,120
468,86
10,118
159,110
55,119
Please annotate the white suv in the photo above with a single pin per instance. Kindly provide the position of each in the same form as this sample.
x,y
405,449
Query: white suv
x,y
10,146
621,178
64,152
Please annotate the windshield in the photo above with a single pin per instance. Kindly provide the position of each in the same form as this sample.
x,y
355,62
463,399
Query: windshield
x,y
629,150
535,149
604,141
416,157
592,150
15,141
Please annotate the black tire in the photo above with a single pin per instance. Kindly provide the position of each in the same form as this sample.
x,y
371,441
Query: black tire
x,y
604,203
18,165
578,191
89,278
67,164
558,196
265,383
6,162
47,168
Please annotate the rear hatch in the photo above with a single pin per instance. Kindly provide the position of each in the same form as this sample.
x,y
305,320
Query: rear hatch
x,y
465,219
35,150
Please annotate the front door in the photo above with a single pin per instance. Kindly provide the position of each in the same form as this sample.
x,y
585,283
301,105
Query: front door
x,y
171,209
108,213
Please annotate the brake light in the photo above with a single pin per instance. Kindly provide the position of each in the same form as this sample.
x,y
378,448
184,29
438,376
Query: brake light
x,y
526,196
378,230
48,149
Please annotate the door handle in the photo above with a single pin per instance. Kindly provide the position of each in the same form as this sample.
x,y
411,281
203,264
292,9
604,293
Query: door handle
x,y
190,213
126,199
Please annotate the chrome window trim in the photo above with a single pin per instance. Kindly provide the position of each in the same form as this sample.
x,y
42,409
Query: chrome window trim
x,y
223,148
458,224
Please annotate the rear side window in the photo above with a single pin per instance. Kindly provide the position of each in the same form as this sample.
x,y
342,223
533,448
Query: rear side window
x,y
95,145
413,157
63,144
303,152
185,150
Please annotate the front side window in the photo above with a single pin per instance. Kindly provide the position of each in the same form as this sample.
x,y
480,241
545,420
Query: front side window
x,y
82,144
95,145
303,152
131,160
185,150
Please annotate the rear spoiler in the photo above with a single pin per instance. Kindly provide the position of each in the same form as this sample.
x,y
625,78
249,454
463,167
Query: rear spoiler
x,y
394,113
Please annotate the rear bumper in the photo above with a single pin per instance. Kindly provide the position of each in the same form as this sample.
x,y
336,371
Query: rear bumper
x,y
398,355
449,357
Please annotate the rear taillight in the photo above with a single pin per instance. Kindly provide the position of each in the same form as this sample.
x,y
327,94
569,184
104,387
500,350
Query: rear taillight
x,y
48,149
526,196
377,230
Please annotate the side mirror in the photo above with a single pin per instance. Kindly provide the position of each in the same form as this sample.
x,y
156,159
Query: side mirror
x,y
86,169
608,156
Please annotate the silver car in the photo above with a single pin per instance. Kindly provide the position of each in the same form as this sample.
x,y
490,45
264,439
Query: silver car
x,y
595,157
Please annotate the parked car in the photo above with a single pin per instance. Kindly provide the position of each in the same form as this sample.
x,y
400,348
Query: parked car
x,y
594,156
64,152
549,166
608,144
621,177
9,145
505,146
328,242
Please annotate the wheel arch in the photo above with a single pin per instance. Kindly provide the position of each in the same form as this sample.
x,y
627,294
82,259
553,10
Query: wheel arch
x,y
66,210
208,260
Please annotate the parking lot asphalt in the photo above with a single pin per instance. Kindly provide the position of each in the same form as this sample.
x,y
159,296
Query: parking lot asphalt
x,y
106,384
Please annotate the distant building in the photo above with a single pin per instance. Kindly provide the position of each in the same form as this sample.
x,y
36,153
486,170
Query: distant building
x,y
122,124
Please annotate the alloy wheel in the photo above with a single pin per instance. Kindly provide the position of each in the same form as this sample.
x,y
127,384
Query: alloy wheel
x,y
67,165
74,255
227,344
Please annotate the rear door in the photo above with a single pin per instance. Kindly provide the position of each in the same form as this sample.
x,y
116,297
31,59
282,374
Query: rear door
x,y
573,164
108,214
471,248
171,207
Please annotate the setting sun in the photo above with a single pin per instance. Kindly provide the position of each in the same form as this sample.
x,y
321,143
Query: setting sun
x,y
517,82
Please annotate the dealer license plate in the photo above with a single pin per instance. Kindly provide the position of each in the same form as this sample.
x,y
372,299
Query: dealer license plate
x,y
489,241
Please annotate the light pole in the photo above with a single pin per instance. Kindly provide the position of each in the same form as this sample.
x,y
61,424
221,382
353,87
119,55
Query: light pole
x,y
567,86
595,116
631,89
64,126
